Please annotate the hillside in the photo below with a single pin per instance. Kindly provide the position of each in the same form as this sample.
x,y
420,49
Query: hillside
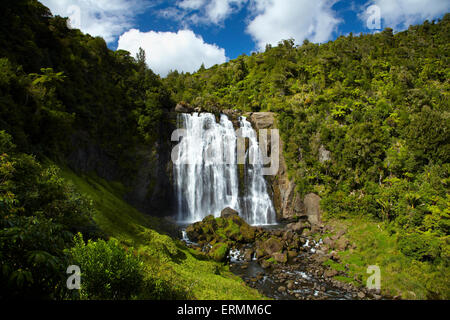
x,y
365,125
86,177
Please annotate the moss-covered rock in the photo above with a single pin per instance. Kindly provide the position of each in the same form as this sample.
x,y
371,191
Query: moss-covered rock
x,y
230,228
219,252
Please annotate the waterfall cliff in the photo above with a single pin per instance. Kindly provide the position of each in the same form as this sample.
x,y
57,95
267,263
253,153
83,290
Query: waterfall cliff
x,y
206,175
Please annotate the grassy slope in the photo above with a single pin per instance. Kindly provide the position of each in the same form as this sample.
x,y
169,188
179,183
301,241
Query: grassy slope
x,y
165,257
400,275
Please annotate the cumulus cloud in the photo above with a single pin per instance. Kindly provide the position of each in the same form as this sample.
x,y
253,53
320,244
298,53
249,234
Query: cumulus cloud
x,y
104,18
165,51
400,14
275,20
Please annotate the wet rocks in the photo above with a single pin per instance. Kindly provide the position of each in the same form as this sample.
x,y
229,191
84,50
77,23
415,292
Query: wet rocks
x,y
282,289
298,227
280,257
248,254
272,246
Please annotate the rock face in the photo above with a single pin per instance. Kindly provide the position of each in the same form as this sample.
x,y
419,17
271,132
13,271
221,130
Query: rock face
x,y
312,208
324,154
298,227
288,203
149,181
262,120
183,107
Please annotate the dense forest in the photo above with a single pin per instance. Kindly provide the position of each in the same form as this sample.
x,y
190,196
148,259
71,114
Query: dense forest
x,y
379,104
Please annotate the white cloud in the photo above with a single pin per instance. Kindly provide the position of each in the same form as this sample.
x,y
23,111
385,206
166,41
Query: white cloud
x,y
165,51
275,20
206,11
104,18
191,4
400,14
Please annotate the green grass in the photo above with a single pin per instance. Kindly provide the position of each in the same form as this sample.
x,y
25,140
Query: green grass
x,y
166,259
400,275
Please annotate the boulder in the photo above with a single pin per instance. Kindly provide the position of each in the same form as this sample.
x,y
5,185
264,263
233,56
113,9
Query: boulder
x,y
292,254
329,273
280,257
342,244
219,252
230,229
272,245
228,213
298,227
265,264
281,289
262,120
290,284
248,254
312,208
324,154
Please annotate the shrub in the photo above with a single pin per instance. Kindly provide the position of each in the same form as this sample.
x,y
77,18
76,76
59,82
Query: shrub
x,y
108,271
422,247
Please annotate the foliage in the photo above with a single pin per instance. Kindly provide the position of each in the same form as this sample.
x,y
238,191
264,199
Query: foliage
x,y
39,213
108,271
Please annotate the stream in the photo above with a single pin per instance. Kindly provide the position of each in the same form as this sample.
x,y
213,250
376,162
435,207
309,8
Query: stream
x,y
300,280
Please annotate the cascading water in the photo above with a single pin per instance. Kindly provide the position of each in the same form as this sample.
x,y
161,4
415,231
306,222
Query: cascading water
x,y
206,176
257,206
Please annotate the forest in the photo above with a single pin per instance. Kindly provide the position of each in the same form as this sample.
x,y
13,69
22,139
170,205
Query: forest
x,y
378,103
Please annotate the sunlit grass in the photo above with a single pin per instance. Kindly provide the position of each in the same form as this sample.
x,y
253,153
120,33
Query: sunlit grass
x,y
400,275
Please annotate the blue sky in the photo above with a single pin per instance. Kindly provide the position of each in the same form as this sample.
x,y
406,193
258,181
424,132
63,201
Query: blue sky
x,y
183,34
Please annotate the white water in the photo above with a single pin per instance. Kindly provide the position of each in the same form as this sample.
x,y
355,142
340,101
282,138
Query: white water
x,y
206,177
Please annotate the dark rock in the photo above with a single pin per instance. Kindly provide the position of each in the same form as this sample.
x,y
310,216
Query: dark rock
x,y
272,245
290,284
228,213
248,254
298,227
183,107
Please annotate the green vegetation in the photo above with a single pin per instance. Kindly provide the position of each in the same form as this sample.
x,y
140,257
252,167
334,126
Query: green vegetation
x,y
61,90
380,105
407,275
108,271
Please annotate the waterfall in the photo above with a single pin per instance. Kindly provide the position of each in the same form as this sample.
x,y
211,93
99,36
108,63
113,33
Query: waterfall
x,y
257,206
206,177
